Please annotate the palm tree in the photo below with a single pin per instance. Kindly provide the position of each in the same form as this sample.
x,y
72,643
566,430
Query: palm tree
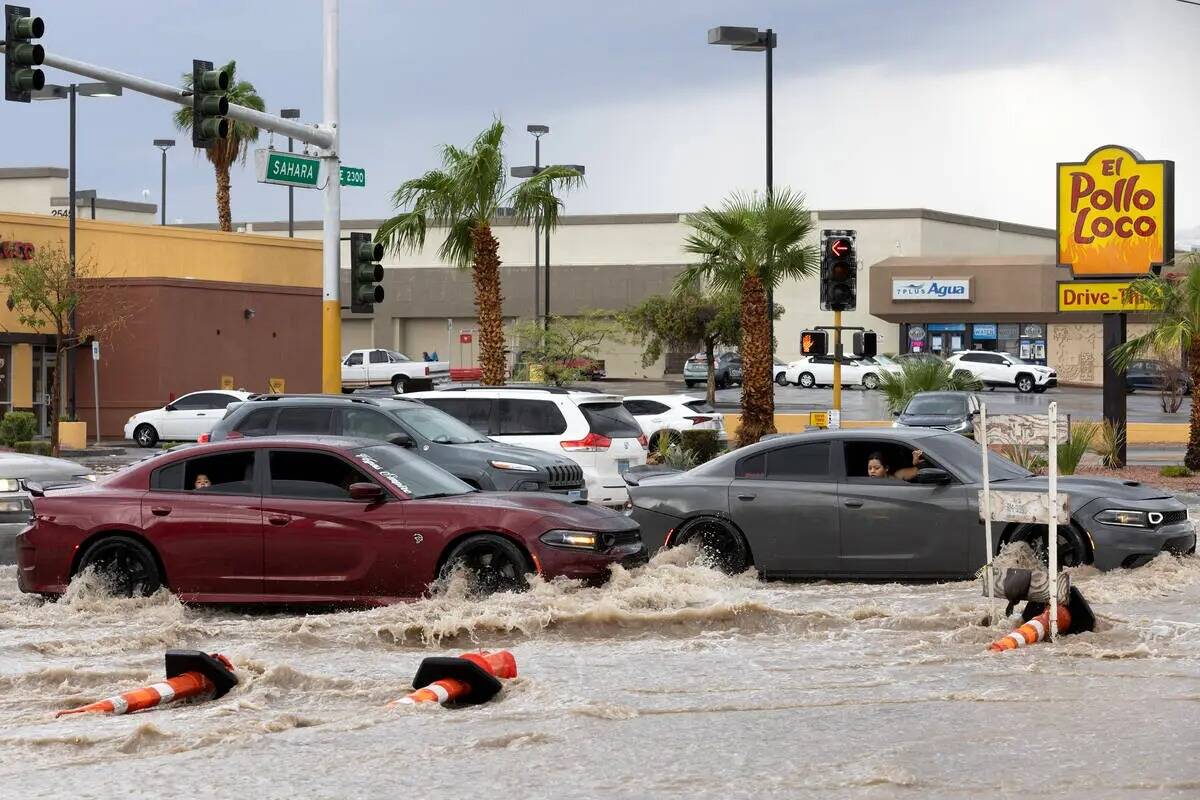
x,y
1175,305
749,246
923,375
233,147
463,197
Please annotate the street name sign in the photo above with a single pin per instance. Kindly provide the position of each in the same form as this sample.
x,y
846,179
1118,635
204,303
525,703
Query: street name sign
x,y
353,176
287,169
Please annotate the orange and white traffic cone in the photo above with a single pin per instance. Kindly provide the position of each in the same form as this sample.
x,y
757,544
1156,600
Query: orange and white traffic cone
x,y
471,679
190,673
1033,631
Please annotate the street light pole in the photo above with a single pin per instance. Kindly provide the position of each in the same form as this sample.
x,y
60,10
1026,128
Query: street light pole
x,y
164,145
290,113
331,251
538,132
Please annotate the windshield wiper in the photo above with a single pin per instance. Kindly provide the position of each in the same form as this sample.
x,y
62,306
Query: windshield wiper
x,y
442,494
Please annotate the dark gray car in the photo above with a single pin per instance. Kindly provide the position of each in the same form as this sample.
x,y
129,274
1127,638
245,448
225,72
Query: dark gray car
x,y
432,434
803,506
951,411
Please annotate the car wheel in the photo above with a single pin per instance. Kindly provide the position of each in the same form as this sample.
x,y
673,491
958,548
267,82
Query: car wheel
x,y
145,436
399,384
127,565
781,379
718,544
493,563
1071,550
1024,384
870,381
806,380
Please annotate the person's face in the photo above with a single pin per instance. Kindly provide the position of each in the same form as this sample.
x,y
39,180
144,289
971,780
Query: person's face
x,y
202,482
876,469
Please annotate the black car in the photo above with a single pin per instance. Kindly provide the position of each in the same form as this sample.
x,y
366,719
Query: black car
x,y
432,434
952,411
1151,374
726,373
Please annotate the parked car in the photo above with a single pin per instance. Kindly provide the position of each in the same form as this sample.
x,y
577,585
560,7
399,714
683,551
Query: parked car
x,y
951,411
431,434
376,367
594,430
811,371
1004,369
1152,374
671,414
728,371
21,469
803,506
903,358
881,364
313,520
182,420
779,371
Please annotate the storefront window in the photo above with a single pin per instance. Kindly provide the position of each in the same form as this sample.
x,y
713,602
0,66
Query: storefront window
x,y
946,337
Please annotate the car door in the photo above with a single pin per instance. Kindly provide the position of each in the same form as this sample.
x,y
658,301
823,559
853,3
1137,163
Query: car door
x,y
785,501
891,527
320,545
211,539
354,370
212,411
379,367
179,417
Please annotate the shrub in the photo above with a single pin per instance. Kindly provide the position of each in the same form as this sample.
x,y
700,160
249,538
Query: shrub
x,y
1070,452
923,376
1112,437
1023,455
1175,471
704,445
38,447
17,426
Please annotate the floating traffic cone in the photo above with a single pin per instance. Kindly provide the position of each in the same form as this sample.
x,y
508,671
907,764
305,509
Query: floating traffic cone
x,y
465,681
1035,630
190,673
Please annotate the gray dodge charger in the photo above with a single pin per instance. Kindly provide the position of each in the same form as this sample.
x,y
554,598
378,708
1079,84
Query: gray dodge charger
x,y
807,506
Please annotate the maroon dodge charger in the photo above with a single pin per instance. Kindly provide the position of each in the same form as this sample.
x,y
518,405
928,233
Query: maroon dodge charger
x,y
315,520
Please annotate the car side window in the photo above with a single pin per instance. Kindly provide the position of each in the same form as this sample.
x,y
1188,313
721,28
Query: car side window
x,y
355,360
520,417
636,407
257,422
970,357
215,400
474,411
654,407
752,468
800,462
311,475
896,455
368,423
191,402
379,357
307,420
221,473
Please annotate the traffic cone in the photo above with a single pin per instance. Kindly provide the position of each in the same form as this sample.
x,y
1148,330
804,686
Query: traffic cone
x,y
190,673
1035,630
465,681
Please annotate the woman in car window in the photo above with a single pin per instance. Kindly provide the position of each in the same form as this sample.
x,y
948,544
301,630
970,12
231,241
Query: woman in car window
x,y
877,467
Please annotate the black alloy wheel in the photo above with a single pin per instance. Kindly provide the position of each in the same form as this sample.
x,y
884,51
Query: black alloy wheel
x,y
493,563
781,379
125,564
145,435
718,544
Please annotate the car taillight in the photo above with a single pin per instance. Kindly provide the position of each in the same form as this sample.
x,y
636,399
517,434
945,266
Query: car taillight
x,y
234,435
204,437
592,443
698,420
427,370
643,441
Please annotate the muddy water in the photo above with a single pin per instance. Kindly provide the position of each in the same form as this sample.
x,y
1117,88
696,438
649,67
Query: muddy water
x,y
671,681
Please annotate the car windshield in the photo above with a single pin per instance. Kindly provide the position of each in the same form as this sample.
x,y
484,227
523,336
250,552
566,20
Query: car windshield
x,y
1014,359
411,474
437,426
944,405
963,455
394,356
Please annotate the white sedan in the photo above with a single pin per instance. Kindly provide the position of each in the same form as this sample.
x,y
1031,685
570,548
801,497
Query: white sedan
x,y
184,420
811,371
671,414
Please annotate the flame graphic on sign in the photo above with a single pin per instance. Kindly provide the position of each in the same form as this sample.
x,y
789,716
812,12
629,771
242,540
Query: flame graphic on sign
x,y
1111,256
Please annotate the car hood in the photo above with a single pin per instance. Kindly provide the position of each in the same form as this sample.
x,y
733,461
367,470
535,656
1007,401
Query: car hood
x,y
30,467
512,452
1084,489
931,420
547,511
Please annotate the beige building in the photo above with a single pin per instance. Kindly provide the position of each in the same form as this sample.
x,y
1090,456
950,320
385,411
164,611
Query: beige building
x,y
44,190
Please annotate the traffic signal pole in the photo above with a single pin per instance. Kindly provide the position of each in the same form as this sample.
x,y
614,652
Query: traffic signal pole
x,y
837,361
331,251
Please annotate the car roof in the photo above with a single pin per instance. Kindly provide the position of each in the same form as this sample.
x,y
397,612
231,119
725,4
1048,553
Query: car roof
x,y
257,442
579,396
854,434
366,400
666,398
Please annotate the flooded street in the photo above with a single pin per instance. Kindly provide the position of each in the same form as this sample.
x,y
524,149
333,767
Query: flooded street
x,y
672,680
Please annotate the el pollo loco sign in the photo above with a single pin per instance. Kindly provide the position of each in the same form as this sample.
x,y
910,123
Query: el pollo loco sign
x,y
1116,214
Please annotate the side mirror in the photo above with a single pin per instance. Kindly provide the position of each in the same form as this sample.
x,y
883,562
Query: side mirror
x,y
169,407
372,492
1008,363
401,439
932,475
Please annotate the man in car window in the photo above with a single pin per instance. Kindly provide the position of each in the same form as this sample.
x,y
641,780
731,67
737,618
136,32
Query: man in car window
x,y
877,467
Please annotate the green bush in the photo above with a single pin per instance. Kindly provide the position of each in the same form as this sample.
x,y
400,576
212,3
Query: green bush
x,y
38,447
1175,471
1071,452
17,426
703,445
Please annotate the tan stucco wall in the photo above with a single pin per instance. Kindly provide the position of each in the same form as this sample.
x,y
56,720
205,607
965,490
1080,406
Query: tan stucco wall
x,y
1076,350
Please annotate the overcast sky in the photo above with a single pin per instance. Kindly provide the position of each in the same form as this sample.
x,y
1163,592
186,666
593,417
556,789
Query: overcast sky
x,y
958,105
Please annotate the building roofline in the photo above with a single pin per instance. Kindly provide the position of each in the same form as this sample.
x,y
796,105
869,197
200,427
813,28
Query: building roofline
x,y
104,202
937,216
33,172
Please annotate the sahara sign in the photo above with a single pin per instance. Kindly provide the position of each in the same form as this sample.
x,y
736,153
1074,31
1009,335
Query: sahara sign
x,y
1116,214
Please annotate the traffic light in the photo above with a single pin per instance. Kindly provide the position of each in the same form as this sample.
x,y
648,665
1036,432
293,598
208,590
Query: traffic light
x,y
21,55
866,344
839,270
209,104
814,343
365,273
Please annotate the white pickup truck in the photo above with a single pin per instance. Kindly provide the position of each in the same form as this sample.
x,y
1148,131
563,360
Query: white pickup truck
x,y
365,368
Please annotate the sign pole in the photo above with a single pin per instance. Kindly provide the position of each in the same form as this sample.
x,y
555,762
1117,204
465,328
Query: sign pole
x,y
331,312
987,510
96,382
1115,405
837,361
1052,522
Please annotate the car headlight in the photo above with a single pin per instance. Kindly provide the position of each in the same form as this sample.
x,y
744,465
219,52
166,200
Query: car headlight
x,y
10,485
576,540
91,476
898,425
513,466
1126,518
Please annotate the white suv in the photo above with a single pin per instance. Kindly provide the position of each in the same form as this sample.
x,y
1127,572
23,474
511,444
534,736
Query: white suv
x,y
1004,369
672,413
594,430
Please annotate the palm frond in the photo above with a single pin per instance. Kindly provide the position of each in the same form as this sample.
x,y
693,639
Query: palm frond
x,y
539,196
923,376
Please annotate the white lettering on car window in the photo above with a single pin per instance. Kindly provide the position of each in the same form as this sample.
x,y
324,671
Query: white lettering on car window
x,y
390,477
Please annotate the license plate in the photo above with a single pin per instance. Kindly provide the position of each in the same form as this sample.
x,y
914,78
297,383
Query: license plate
x,y
622,466
575,494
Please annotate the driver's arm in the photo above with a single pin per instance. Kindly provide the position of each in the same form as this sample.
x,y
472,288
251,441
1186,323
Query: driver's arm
x,y
908,473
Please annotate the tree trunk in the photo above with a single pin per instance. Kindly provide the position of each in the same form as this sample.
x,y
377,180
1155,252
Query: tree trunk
x,y
758,391
488,305
224,214
1191,458
710,346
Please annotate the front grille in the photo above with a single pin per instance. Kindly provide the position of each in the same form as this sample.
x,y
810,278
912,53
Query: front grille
x,y
1173,517
565,477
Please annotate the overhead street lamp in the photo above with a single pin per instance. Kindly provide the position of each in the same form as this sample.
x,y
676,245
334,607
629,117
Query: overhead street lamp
x,y
529,172
69,92
753,40
164,145
290,113
538,132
